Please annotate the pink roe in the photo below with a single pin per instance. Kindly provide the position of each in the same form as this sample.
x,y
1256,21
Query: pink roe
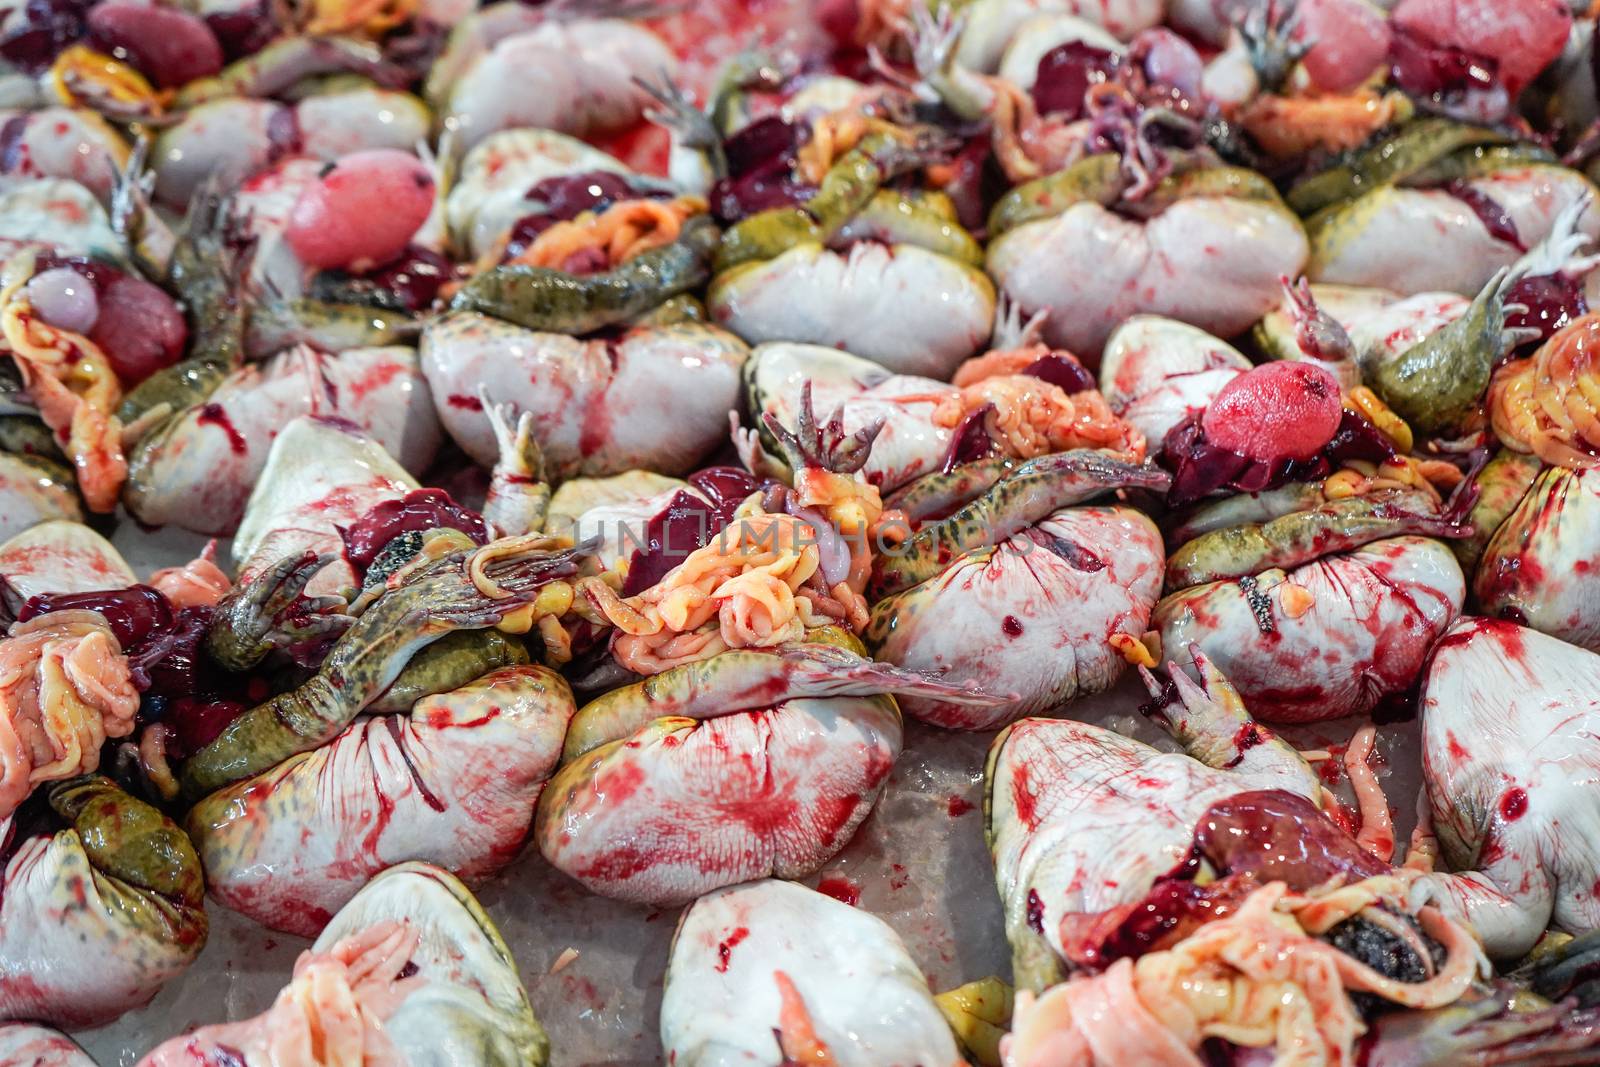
x,y
1284,410
362,212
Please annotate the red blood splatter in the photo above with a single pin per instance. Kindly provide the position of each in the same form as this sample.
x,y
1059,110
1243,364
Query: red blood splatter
x,y
376,378
464,402
618,864
1035,912
576,987
1012,626
1513,804
1344,818
622,783
1331,769
726,947
216,416
1507,634
595,433
1022,799
959,806
835,816
1247,737
841,889
429,797
899,879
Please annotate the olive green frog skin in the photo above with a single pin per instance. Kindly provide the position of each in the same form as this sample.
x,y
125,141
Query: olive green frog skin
x,y
451,779
941,492
1384,218
1438,383
35,489
37,483
849,187
267,611
831,663
440,599
1302,536
1502,484
886,274
1205,245
1420,153
96,918
326,325
1027,494
204,273
1101,179
24,433
285,62
539,298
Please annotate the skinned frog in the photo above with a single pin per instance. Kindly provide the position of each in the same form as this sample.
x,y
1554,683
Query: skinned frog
x,y
979,593
801,739
821,271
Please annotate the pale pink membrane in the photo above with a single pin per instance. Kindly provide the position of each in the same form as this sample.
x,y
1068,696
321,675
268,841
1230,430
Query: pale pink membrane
x,y
65,688
330,1015
200,583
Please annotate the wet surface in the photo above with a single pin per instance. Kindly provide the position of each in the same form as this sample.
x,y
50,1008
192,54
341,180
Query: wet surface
x,y
919,862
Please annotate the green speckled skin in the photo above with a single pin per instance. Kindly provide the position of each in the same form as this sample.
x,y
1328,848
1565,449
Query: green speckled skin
x,y
328,326
1404,155
26,435
738,680
1330,229
1031,492
1502,484
366,660
129,840
1437,383
1288,542
1099,179
102,914
204,275
284,62
941,492
850,185
539,298
448,664
918,220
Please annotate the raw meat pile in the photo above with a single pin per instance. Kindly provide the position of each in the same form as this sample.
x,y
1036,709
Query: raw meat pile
x,y
878,533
